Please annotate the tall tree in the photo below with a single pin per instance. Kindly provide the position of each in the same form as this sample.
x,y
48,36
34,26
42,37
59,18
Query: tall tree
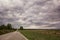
x,y
9,26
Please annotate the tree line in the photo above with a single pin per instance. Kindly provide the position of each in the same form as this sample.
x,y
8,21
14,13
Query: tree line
x,y
9,27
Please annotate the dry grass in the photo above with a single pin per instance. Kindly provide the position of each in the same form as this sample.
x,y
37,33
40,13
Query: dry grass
x,y
5,31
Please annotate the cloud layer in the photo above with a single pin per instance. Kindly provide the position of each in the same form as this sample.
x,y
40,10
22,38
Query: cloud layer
x,y
37,14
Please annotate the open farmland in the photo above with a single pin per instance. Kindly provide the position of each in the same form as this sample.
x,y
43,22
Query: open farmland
x,y
41,34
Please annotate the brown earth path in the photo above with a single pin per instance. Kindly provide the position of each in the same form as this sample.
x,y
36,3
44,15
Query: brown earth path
x,y
13,36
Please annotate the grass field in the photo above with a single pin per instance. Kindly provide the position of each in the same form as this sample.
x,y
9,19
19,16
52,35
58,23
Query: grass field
x,y
41,34
5,31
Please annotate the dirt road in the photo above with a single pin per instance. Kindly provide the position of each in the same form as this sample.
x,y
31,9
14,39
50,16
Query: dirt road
x,y
13,36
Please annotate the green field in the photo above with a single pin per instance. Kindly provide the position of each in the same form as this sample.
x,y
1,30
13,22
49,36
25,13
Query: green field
x,y
41,34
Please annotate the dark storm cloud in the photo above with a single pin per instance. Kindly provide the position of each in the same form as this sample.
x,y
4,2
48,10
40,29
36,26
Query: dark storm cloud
x,y
30,12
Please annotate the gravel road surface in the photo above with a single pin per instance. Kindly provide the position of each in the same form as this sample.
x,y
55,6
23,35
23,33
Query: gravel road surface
x,y
13,36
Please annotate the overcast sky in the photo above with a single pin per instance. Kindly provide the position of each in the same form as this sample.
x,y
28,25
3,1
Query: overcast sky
x,y
32,14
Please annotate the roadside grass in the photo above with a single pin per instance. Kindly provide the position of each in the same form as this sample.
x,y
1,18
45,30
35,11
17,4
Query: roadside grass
x,y
41,34
5,31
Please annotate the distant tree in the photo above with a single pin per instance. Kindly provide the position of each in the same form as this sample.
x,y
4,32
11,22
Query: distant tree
x,y
9,26
21,27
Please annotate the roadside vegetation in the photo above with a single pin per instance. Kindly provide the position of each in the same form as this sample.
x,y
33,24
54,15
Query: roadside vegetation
x,y
6,29
41,34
